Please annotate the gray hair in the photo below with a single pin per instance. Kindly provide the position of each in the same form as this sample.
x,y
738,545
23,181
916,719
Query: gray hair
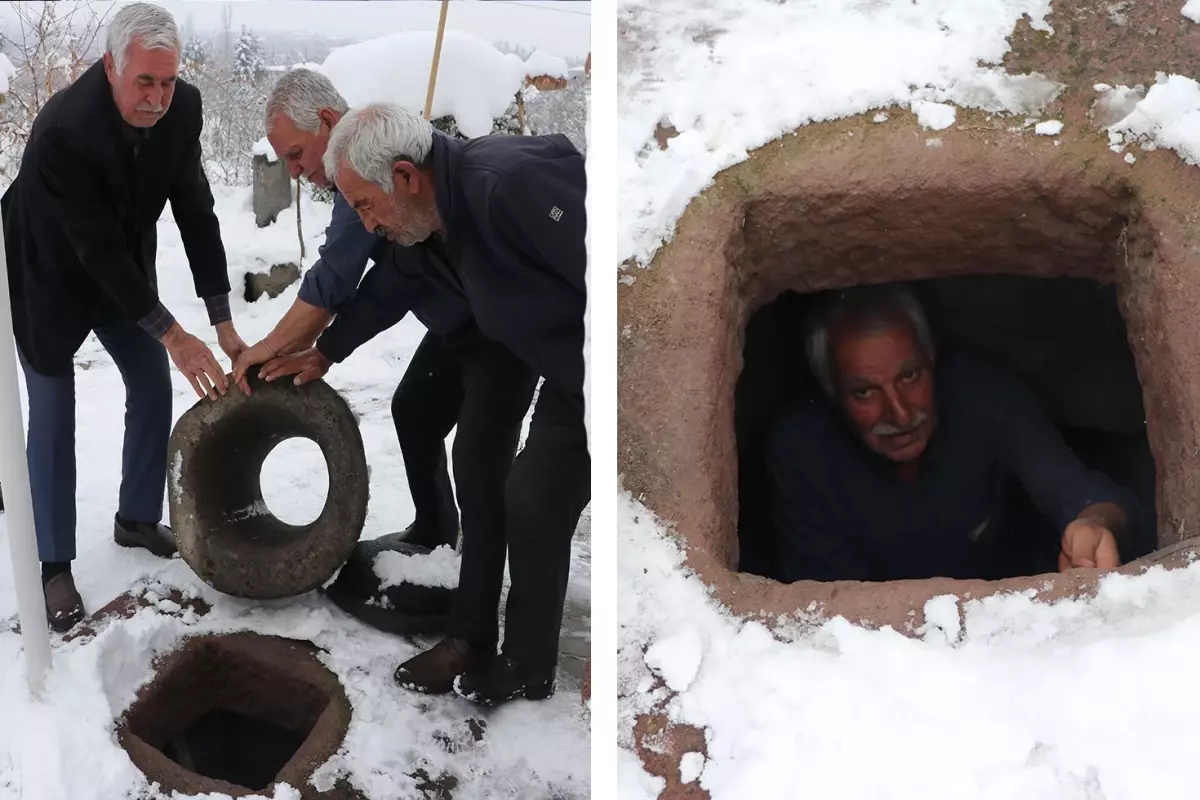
x,y
149,24
877,307
299,95
373,138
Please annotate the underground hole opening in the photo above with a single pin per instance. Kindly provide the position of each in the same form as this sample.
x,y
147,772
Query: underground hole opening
x,y
236,748
295,481
1065,339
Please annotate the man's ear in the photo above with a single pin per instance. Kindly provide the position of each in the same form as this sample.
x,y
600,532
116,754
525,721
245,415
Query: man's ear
x,y
406,176
110,67
328,116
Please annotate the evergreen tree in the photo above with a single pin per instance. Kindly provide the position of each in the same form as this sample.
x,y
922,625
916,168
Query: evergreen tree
x,y
247,58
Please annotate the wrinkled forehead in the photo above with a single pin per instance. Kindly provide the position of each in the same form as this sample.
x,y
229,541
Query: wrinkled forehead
x,y
156,64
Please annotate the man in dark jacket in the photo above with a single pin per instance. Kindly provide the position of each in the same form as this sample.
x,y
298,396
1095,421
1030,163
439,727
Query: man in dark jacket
x,y
500,220
104,157
301,111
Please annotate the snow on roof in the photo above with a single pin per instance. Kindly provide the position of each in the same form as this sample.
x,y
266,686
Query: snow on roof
x,y
475,83
731,76
7,70
542,63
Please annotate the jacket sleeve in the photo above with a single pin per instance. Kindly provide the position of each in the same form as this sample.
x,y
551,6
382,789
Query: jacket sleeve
x,y
810,542
89,221
192,206
539,210
1059,484
333,280
383,299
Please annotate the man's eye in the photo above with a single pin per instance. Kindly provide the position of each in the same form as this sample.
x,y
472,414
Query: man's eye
x,y
909,376
862,394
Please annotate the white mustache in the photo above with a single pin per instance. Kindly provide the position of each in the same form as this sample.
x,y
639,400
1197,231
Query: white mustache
x,y
151,109
884,429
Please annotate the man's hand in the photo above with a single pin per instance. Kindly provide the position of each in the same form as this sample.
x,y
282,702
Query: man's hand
x,y
307,366
1087,543
230,342
193,358
260,353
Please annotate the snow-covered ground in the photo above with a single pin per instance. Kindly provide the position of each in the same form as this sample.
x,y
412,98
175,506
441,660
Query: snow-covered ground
x,y
65,746
1003,698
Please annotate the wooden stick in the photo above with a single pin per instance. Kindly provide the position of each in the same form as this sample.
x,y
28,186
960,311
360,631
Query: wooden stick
x,y
437,56
299,229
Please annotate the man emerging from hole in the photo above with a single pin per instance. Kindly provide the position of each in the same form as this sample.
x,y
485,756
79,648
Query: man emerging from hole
x,y
901,472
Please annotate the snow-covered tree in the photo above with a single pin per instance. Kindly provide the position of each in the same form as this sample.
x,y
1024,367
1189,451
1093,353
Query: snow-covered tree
x,y
247,58
194,58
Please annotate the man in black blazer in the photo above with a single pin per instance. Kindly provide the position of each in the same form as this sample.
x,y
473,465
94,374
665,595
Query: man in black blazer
x,y
104,157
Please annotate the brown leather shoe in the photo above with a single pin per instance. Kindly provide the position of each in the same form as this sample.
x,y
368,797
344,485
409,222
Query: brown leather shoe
x,y
158,539
64,606
434,671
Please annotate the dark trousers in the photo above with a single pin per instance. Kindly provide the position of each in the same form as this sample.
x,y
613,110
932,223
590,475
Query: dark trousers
x,y
144,367
425,409
527,509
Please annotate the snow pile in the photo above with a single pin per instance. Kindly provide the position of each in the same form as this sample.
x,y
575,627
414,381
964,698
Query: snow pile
x,y
1168,116
438,569
263,148
1191,10
730,76
475,83
935,116
1051,127
542,63
7,71
1003,697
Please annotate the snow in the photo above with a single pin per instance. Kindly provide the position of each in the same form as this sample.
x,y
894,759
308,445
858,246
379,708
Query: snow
x,y
732,76
935,116
677,658
1130,158
475,83
1191,10
1036,700
1168,116
542,63
263,148
439,568
7,71
65,745
690,767
1049,128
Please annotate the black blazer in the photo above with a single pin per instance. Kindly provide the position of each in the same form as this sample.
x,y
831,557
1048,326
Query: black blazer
x,y
79,220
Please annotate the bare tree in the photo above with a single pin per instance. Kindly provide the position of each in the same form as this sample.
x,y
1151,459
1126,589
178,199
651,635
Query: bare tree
x,y
52,45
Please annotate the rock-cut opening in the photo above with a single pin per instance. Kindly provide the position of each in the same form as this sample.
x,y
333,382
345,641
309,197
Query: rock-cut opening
x,y
295,481
235,713
1064,338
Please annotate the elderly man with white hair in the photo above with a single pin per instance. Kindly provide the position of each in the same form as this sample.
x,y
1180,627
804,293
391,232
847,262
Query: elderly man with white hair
x,y
499,221
104,157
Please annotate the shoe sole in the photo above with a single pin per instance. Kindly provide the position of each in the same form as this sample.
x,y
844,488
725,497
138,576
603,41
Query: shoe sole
x,y
528,693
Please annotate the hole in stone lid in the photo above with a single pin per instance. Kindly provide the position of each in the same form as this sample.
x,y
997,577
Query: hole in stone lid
x,y
295,481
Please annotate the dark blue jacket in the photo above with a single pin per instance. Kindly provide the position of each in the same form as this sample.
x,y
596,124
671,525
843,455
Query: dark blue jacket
x,y
840,512
514,217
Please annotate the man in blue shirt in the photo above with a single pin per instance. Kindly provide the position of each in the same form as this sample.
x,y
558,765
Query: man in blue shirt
x,y
899,471
301,110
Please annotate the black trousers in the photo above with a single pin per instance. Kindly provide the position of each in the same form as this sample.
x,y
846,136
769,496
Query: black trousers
x,y
425,409
526,509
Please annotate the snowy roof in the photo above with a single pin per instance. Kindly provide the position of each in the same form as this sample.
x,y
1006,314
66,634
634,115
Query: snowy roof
x,y
475,83
542,63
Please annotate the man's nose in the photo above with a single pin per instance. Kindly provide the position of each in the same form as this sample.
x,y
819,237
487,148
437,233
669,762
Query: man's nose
x,y
898,407
294,169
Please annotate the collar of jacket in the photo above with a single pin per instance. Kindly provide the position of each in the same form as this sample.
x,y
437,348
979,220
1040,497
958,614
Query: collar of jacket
x,y
444,158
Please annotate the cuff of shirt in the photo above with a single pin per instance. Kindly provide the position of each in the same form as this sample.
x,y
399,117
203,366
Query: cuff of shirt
x,y
157,322
218,309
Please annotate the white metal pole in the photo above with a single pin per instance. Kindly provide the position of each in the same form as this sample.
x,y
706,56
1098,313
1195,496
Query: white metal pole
x,y
18,502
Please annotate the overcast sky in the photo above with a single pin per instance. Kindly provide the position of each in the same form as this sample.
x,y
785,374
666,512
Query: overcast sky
x,y
561,28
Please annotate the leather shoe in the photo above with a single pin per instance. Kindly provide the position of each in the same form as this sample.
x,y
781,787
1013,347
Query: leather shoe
x,y
64,606
156,538
434,671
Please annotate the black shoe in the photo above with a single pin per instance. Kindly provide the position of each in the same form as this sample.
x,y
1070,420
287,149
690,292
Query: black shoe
x,y
156,538
434,671
499,682
428,535
64,606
